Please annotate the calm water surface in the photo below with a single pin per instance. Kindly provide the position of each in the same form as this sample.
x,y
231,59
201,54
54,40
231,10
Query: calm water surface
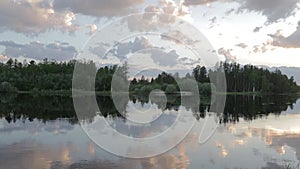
x,y
42,132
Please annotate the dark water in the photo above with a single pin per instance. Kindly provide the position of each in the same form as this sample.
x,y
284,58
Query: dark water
x,y
38,132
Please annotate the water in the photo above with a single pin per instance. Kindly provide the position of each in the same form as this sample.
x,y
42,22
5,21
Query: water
x,y
42,132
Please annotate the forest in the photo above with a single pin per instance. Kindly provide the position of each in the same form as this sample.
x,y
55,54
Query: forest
x,y
30,76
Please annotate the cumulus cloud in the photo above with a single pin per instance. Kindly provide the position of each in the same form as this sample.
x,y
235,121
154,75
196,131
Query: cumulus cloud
x,y
227,53
291,41
99,8
33,16
35,50
156,16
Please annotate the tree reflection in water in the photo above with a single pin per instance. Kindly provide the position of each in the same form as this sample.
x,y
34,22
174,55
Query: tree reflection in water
x,y
44,108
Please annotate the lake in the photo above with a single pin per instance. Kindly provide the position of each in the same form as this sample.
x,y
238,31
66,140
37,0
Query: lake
x,y
43,132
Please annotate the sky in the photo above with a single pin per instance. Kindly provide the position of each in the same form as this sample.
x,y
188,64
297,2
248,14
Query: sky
x,y
259,32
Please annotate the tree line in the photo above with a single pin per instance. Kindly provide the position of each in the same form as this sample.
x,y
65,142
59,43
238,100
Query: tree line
x,y
239,79
57,76
249,78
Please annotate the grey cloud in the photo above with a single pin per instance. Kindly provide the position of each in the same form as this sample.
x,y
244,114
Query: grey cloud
x,y
242,45
32,17
257,29
142,45
138,45
106,8
291,41
227,53
229,11
122,49
178,37
163,58
35,50
198,2
260,48
99,50
274,10
213,20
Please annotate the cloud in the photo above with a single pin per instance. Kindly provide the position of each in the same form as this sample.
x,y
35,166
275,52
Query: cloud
x,y
257,29
93,28
3,58
291,41
141,49
213,21
198,2
261,48
36,50
274,10
33,17
178,37
227,53
144,46
157,16
98,8
242,45
99,50
229,11
122,49
163,58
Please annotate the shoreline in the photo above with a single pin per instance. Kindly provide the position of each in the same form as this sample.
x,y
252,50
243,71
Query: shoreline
x,y
108,93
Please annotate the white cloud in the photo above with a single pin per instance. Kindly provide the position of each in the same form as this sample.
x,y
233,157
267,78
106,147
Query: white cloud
x,y
3,58
93,28
35,50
